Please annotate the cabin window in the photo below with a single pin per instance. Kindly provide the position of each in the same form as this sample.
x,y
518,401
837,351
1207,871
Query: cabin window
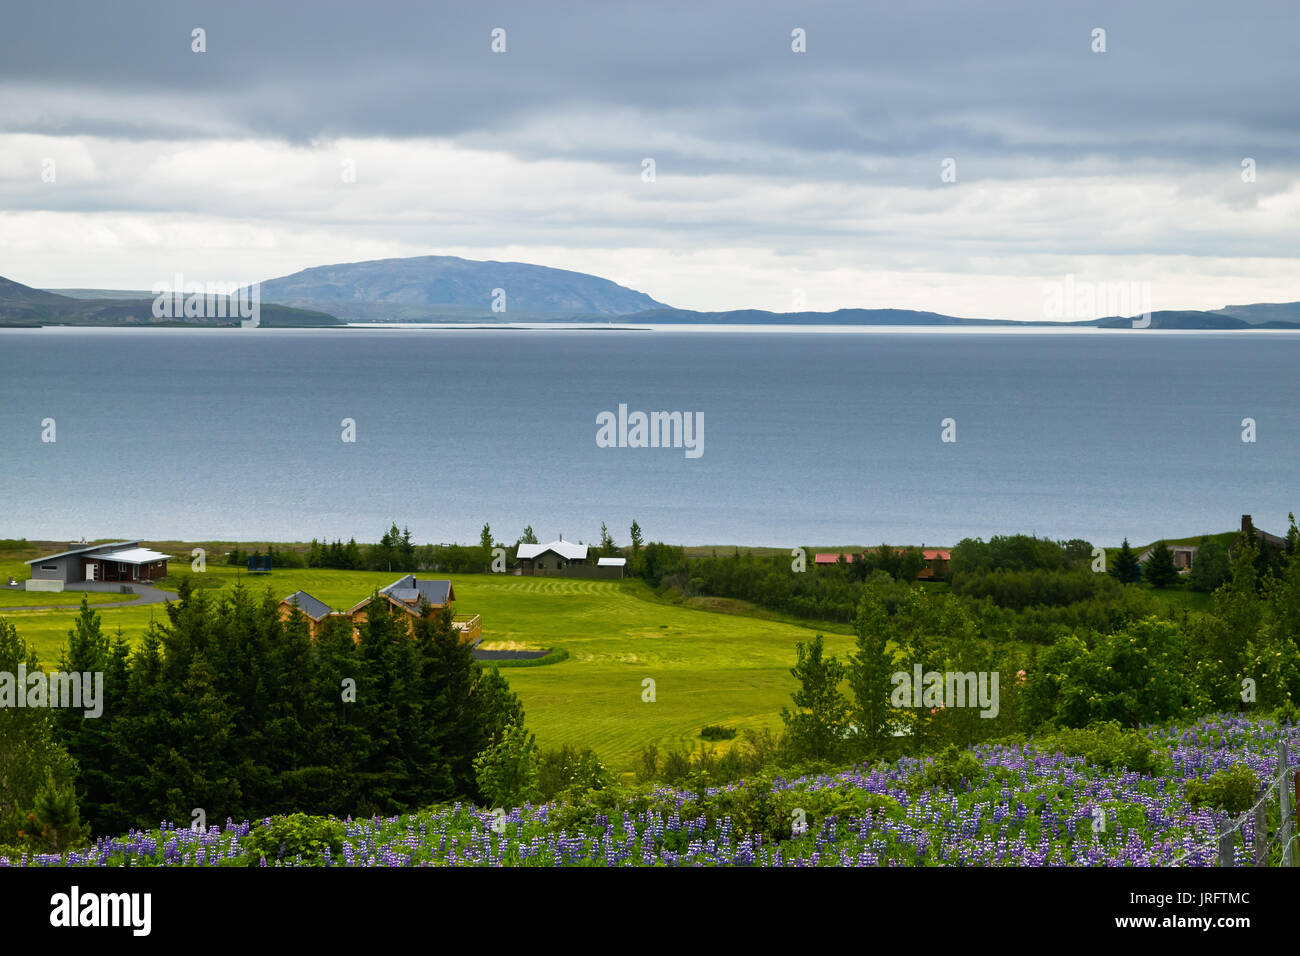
x,y
49,567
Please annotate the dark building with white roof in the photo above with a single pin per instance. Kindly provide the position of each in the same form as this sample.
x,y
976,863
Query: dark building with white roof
x,y
117,561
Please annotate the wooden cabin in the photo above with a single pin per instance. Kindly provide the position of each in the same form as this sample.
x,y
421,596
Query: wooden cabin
x,y
409,594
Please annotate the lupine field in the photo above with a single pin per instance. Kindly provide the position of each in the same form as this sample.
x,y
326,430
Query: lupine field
x,y
1031,809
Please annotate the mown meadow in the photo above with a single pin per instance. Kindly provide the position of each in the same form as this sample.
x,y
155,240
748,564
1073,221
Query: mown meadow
x,y
708,668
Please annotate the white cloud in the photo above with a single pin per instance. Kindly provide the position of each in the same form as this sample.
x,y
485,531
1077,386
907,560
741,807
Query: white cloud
x,y
126,213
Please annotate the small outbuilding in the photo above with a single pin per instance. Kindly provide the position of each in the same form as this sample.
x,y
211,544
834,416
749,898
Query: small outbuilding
x,y
611,567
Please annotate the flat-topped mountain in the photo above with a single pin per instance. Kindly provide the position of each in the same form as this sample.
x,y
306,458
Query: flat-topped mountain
x,y
452,287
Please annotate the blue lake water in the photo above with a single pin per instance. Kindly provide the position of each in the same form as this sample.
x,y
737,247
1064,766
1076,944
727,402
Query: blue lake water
x,y
809,439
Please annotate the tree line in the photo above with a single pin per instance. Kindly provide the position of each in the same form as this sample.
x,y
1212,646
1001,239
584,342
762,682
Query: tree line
x,y
227,709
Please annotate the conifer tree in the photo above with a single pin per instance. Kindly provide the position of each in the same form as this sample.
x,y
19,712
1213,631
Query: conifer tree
x,y
1159,569
1126,567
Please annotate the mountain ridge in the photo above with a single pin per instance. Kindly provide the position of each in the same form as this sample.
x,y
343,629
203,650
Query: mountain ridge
x,y
436,284
454,289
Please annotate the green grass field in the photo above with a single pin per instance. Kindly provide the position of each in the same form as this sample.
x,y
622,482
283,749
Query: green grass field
x,y
12,566
72,599
708,668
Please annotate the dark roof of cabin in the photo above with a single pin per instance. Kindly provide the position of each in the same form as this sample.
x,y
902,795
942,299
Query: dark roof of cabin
x,y
437,593
313,608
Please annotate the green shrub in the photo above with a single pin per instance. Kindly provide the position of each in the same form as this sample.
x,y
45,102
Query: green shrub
x,y
1107,746
717,732
951,769
569,770
13,853
758,809
648,764
1234,790
285,838
610,802
507,772
676,766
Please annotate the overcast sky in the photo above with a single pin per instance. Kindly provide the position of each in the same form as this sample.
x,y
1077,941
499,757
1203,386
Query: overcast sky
x,y
775,170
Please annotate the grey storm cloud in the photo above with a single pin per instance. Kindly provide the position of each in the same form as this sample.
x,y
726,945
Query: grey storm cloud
x,y
707,87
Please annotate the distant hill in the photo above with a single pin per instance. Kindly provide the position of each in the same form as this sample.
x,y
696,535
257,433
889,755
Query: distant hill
x,y
1159,320
21,300
452,289
104,293
1194,320
838,317
23,305
1263,312
449,287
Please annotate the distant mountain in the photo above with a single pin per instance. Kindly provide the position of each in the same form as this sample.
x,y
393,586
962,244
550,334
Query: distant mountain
x,y
1159,320
448,287
1263,312
838,317
104,293
21,300
1193,320
451,289
23,305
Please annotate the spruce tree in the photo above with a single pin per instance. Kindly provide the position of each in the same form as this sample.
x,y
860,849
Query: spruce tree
x,y
1159,569
1126,567
30,750
89,739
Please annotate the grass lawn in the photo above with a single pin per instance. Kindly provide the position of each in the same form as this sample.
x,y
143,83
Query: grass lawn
x,y
708,668
72,599
12,566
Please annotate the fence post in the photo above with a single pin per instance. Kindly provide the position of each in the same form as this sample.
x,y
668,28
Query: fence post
x,y
1261,829
1225,849
1284,801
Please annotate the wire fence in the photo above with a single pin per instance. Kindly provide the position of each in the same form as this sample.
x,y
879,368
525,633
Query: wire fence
x,y
1264,835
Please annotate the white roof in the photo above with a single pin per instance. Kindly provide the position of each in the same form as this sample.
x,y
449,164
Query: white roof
x,y
565,549
611,562
132,556
84,549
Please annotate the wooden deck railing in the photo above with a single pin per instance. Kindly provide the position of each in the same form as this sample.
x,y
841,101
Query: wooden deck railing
x,y
470,626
